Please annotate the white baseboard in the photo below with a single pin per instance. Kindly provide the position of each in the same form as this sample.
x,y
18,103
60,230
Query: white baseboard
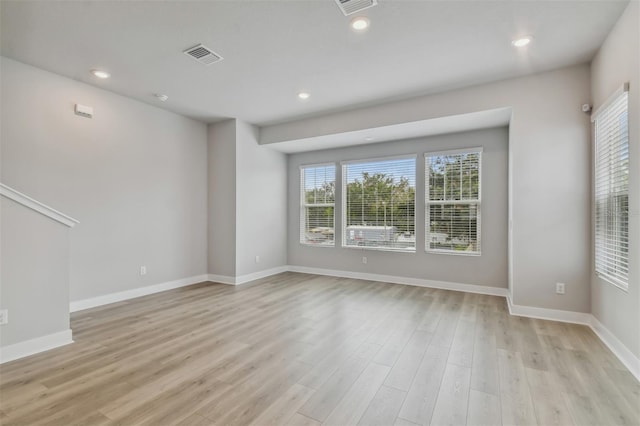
x,y
445,285
623,353
548,314
222,279
261,274
242,279
48,342
80,305
34,346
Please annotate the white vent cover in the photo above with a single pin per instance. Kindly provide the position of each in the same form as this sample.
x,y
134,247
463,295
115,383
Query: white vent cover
x,y
84,111
203,54
352,6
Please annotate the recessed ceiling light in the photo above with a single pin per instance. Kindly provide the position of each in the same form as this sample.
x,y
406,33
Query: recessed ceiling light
x,y
304,95
360,23
521,42
100,74
161,98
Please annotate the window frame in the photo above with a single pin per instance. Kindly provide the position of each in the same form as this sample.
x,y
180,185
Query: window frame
x,y
607,172
428,202
343,201
303,205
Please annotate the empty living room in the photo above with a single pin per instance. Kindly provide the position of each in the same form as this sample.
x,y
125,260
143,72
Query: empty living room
x,y
319,212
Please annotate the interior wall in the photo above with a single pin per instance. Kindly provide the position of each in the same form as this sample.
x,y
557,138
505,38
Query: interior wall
x,y
617,62
489,269
34,273
135,176
222,198
261,215
549,155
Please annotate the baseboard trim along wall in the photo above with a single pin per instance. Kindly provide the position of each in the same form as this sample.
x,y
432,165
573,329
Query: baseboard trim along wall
x,y
34,346
548,314
80,305
623,353
607,337
222,279
419,282
242,279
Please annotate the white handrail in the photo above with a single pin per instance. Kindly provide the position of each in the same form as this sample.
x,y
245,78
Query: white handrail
x,y
29,202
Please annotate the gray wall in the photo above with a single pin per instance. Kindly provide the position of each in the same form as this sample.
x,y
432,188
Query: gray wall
x,y
489,269
222,198
34,273
549,157
617,62
247,202
135,176
261,215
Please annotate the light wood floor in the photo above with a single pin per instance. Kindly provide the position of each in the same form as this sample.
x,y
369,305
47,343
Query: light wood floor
x,y
300,349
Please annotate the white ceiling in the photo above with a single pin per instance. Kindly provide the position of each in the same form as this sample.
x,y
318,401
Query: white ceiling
x,y
273,49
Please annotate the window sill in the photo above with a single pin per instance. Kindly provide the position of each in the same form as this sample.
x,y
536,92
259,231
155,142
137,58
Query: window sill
x,y
318,245
455,253
612,281
387,249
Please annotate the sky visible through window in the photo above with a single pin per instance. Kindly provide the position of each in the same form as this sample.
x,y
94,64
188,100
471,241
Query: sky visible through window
x,y
316,176
386,167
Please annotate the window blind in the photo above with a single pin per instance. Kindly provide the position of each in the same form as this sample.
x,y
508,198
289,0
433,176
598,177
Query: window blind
x,y
452,201
612,191
317,204
379,204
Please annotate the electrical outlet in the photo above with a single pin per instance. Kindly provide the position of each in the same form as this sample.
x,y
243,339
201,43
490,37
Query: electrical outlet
x,y
364,260
4,316
143,270
559,288
257,259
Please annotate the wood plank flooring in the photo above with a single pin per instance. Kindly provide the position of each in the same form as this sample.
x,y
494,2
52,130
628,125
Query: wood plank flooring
x,y
296,349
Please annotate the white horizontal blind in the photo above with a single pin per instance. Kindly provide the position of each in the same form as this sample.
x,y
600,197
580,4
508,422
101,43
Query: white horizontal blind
x,y
379,204
452,201
317,204
612,191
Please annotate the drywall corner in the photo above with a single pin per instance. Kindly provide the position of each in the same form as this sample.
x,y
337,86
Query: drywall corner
x,y
221,218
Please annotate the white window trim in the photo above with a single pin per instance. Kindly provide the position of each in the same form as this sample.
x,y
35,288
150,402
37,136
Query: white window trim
x,y
377,159
622,285
427,202
304,205
343,203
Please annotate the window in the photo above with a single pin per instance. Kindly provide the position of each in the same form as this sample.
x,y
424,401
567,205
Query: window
x,y
452,201
379,204
317,202
612,190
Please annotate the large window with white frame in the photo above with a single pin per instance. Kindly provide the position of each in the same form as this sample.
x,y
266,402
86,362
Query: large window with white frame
x,y
317,204
452,201
378,204
612,189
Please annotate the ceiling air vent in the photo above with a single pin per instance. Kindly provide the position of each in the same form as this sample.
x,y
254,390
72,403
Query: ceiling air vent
x,y
203,54
352,6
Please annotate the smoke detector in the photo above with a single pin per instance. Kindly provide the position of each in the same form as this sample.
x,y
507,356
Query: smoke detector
x,y
203,54
352,6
